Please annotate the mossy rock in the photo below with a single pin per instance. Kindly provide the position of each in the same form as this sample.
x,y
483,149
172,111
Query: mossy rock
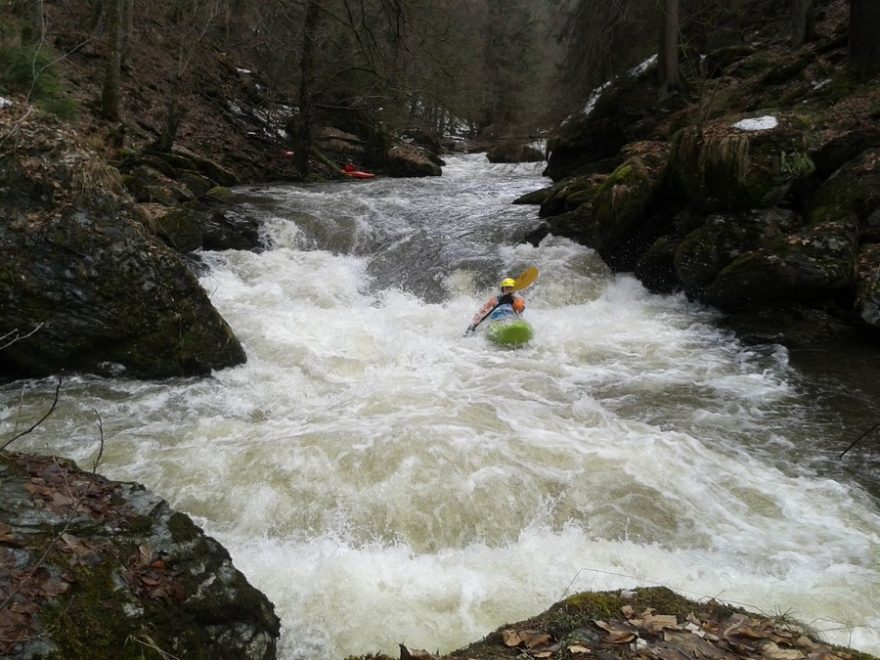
x,y
720,168
219,194
656,266
560,197
614,218
867,279
853,190
706,251
812,266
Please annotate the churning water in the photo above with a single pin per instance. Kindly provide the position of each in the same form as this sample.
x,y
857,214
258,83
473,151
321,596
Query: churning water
x,y
383,479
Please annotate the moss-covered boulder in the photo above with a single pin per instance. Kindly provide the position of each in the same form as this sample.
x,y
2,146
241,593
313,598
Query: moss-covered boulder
x,y
513,152
81,274
107,570
706,251
647,622
612,216
406,160
813,265
568,194
867,277
854,189
721,167
619,112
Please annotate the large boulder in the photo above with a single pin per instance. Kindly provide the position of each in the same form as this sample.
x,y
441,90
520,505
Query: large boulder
x,y
405,160
867,276
612,213
720,167
813,265
80,268
104,570
514,152
706,251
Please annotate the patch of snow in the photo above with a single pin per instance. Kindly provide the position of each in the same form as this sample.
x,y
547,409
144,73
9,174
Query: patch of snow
x,y
819,84
639,69
596,94
764,123
235,107
594,97
243,71
4,102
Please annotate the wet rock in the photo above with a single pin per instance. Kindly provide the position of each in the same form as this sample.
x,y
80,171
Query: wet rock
x,y
79,263
404,160
643,623
815,264
512,152
101,569
720,167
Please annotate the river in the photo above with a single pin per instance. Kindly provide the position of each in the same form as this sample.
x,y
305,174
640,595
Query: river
x,y
383,479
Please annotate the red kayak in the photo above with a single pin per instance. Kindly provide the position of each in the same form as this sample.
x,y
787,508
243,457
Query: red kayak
x,y
357,174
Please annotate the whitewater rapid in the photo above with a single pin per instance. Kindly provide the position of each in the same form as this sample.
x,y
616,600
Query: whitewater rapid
x,y
385,480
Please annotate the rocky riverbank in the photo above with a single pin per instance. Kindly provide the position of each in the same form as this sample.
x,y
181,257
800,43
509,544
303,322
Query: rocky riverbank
x,y
91,568
754,190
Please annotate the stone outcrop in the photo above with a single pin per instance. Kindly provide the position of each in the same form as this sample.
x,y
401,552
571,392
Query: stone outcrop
x,y
82,272
647,622
741,209
91,568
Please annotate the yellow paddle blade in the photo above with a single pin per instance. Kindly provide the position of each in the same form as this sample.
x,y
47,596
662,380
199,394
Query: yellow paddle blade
x,y
525,279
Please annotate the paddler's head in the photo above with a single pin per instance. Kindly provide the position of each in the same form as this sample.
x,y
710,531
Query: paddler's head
x,y
507,285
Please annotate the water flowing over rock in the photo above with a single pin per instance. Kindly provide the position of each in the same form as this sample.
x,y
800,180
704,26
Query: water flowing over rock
x,y
101,569
79,266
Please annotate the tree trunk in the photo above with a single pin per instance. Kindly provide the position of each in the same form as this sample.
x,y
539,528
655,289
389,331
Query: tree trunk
x,y
127,29
667,54
110,91
303,146
803,21
864,46
173,115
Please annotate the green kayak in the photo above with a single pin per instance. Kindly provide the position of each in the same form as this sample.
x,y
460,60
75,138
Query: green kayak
x,y
509,332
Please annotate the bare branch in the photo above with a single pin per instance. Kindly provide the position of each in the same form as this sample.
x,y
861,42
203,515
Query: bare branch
x,y
42,419
16,338
101,446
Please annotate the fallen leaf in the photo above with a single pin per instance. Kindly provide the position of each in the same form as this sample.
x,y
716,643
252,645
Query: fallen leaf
x,y
617,634
511,638
657,622
772,651
534,640
577,649
75,545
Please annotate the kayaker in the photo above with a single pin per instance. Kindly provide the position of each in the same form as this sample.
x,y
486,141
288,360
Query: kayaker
x,y
509,303
349,167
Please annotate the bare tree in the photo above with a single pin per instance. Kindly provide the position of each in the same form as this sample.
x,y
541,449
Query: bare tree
x,y
306,87
803,21
668,51
190,21
113,66
864,46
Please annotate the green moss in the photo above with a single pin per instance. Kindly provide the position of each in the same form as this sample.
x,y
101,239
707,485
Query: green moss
x,y
90,621
183,530
219,193
30,70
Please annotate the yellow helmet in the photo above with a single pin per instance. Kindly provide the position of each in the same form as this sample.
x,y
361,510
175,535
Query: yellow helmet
x,y
508,282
